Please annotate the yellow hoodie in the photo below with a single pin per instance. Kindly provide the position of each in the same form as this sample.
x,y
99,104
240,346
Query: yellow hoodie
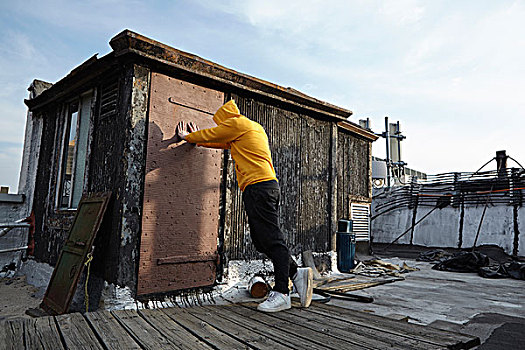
x,y
246,139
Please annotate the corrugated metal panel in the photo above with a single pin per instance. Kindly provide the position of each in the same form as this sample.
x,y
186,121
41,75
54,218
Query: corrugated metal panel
x,y
360,214
300,148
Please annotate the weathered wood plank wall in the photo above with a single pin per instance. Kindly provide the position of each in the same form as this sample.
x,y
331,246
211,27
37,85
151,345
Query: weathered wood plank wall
x,y
300,148
353,167
105,172
50,229
303,156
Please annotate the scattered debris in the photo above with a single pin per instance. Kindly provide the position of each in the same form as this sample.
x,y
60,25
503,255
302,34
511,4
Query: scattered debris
x,y
378,268
366,274
463,262
488,261
513,269
434,255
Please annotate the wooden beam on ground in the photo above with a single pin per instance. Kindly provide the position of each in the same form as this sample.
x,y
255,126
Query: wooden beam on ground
x,y
110,332
308,260
76,332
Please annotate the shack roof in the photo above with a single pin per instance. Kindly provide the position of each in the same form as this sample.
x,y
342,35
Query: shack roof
x,y
140,48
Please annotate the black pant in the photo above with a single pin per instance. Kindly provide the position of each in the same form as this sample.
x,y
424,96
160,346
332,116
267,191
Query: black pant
x,y
261,201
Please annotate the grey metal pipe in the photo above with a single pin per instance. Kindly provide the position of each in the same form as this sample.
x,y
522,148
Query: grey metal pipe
x,y
13,225
9,226
388,165
13,249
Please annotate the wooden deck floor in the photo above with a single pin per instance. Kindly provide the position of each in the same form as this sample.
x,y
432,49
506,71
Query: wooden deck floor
x,y
226,327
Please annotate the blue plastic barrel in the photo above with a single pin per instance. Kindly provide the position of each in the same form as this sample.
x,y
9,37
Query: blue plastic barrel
x,y
344,225
345,246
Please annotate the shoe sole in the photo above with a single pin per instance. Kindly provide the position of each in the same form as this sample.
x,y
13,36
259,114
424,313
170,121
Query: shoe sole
x,y
275,310
309,289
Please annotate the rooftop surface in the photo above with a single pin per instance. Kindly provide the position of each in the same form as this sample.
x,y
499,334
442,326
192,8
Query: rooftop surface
x,y
464,302
235,326
491,309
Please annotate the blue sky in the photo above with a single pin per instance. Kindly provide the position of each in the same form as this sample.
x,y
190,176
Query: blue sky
x,y
452,72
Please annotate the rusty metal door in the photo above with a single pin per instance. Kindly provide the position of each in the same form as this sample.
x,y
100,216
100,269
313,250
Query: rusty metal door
x,y
65,276
178,247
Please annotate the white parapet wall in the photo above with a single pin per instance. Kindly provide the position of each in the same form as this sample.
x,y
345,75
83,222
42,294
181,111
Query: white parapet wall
x,y
12,209
453,227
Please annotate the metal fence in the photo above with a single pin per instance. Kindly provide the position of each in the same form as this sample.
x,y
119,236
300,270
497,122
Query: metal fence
x,y
493,188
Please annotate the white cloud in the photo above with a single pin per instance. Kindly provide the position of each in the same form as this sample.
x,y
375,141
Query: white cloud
x,y
402,12
452,72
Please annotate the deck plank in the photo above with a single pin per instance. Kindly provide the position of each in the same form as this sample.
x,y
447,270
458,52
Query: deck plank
x,y
76,332
237,314
304,319
109,330
172,330
143,333
215,317
203,330
360,335
318,336
226,327
382,324
14,334
42,334
3,335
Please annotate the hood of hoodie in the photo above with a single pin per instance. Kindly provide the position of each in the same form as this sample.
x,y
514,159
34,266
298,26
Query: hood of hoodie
x,y
228,110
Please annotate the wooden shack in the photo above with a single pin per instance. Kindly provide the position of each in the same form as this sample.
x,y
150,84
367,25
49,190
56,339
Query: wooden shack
x,y
176,217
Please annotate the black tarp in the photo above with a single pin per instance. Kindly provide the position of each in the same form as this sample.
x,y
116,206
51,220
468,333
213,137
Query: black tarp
x,y
488,261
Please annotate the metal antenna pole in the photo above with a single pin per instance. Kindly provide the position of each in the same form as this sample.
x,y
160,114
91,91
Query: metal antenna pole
x,y
387,138
398,134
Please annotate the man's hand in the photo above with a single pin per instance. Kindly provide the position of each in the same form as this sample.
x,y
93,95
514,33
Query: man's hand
x,y
181,130
192,127
184,129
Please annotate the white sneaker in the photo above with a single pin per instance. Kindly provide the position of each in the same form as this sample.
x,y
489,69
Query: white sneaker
x,y
303,283
275,302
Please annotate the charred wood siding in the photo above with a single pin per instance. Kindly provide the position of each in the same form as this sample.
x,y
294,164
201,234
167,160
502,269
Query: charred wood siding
x,y
353,178
106,174
51,227
300,148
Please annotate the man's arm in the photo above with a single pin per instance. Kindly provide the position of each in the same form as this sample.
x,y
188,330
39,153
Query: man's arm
x,y
215,145
223,133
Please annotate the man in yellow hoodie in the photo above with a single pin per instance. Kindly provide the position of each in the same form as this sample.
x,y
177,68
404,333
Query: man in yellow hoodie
x,y
250,150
